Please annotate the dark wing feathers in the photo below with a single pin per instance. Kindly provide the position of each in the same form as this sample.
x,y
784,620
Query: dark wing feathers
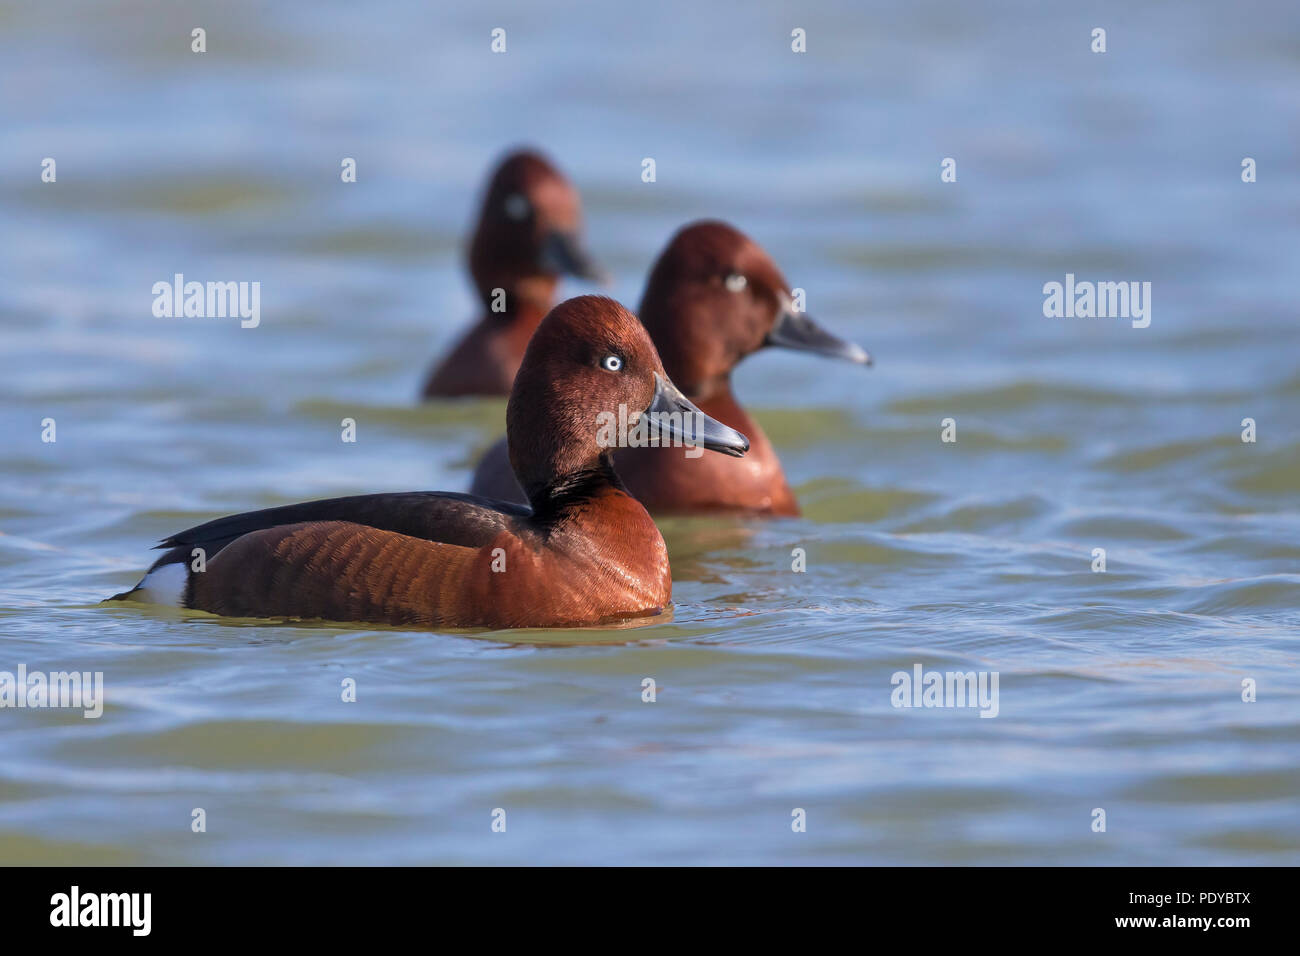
x,y
433,515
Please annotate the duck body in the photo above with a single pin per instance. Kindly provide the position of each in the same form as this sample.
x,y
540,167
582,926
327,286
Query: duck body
x,y
431,560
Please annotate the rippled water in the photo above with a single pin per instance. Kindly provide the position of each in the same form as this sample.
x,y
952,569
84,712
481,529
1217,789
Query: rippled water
x,y
1119,690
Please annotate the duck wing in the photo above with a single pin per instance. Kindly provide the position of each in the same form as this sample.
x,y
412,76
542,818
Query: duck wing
x,y
445,517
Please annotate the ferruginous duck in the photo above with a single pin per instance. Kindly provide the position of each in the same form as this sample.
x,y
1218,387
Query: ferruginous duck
x,y
582,551
528,235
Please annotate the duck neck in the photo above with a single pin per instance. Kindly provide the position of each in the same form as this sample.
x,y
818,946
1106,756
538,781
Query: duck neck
x,y
708,388
555,498
516,299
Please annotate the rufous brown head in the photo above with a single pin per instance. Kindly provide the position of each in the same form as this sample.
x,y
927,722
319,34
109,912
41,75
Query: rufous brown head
x,y
529,233
715,296
591,362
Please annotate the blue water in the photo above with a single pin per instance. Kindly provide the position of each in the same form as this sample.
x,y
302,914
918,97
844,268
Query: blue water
x,y
1118,690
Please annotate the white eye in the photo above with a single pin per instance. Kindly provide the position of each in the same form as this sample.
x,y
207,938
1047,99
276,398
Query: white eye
x,y
611,363
516,207
735,282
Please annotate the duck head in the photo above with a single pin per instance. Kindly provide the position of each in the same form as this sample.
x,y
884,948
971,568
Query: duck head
x,y
529,233
591,364
714,297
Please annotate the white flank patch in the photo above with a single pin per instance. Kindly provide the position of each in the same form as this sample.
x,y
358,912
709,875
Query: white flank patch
x,y
164,586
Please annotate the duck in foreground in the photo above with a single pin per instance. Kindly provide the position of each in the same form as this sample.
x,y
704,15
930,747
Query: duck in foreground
x,y
713,298
528,235
582,551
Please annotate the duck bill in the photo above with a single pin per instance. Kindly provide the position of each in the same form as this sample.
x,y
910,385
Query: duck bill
x,y
795,330
674,417
562,253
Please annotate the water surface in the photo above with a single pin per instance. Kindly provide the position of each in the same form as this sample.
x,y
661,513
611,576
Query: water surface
x,y
1119,690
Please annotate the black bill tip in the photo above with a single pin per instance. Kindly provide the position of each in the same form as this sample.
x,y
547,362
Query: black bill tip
x,y
795,330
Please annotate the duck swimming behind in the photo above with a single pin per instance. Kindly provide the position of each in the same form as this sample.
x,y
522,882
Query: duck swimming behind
x,y
528,235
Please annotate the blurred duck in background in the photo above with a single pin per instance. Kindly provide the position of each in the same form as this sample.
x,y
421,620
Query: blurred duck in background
x,y
528,235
